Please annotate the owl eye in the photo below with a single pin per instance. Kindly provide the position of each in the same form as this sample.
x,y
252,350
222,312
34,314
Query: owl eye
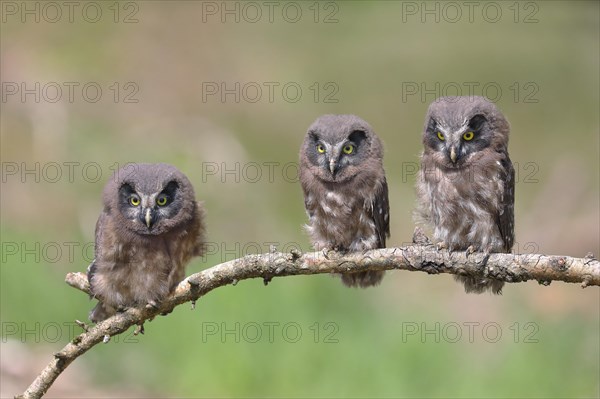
x,y
348,149
162,200
320,148
441,136
468,136
134,200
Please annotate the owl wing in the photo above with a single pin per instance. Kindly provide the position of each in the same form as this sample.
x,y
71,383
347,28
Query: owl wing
x,y
309,203
381,213
506,213
308,208
200,229
91,270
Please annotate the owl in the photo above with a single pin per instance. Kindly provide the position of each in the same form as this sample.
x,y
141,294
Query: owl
x,y
150,228
345,191
466,186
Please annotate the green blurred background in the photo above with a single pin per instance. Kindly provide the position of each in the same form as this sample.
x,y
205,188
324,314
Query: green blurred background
x,y
301,336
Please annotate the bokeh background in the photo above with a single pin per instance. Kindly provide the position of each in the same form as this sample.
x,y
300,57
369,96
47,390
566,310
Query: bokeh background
x,y
179,83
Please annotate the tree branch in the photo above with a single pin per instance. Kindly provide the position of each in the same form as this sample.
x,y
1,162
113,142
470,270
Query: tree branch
x,y
426,258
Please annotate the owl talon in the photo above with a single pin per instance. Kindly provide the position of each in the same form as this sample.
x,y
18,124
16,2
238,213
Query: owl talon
x,y
295,254
152,305
165,313
470,250
419,237
139,329
486,257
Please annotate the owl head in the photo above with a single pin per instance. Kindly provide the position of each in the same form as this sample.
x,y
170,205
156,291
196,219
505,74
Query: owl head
x,y
457,129
339,148
149,199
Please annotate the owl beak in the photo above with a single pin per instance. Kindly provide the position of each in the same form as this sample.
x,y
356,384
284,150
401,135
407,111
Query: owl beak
x,y
332,166
453,154
148,218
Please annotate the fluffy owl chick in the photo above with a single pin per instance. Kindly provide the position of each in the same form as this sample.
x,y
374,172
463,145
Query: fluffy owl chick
x,y
345,191
465,187
150,228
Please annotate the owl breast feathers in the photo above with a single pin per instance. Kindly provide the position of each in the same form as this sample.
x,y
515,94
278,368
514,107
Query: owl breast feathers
x,y
150,228
465,187
345,190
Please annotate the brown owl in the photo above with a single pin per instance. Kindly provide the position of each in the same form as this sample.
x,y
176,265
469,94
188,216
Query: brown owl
x,y
345,191
150,228
466,185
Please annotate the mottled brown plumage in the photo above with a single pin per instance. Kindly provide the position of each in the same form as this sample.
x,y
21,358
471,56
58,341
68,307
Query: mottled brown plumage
x,y
465,187
150,228
345,191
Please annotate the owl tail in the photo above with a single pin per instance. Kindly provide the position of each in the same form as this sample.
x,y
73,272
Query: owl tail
x,y
480,285
362,279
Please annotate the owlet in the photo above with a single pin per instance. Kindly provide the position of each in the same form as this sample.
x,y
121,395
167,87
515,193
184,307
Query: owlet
x,y
466,185
345,191
150,228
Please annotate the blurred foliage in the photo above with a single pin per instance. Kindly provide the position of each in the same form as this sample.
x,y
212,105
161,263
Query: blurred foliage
x,y
372,54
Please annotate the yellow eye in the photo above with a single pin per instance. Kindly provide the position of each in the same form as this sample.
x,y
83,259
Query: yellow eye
x,y
441,136
468,136
320,148
161,200
348,149
134,200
